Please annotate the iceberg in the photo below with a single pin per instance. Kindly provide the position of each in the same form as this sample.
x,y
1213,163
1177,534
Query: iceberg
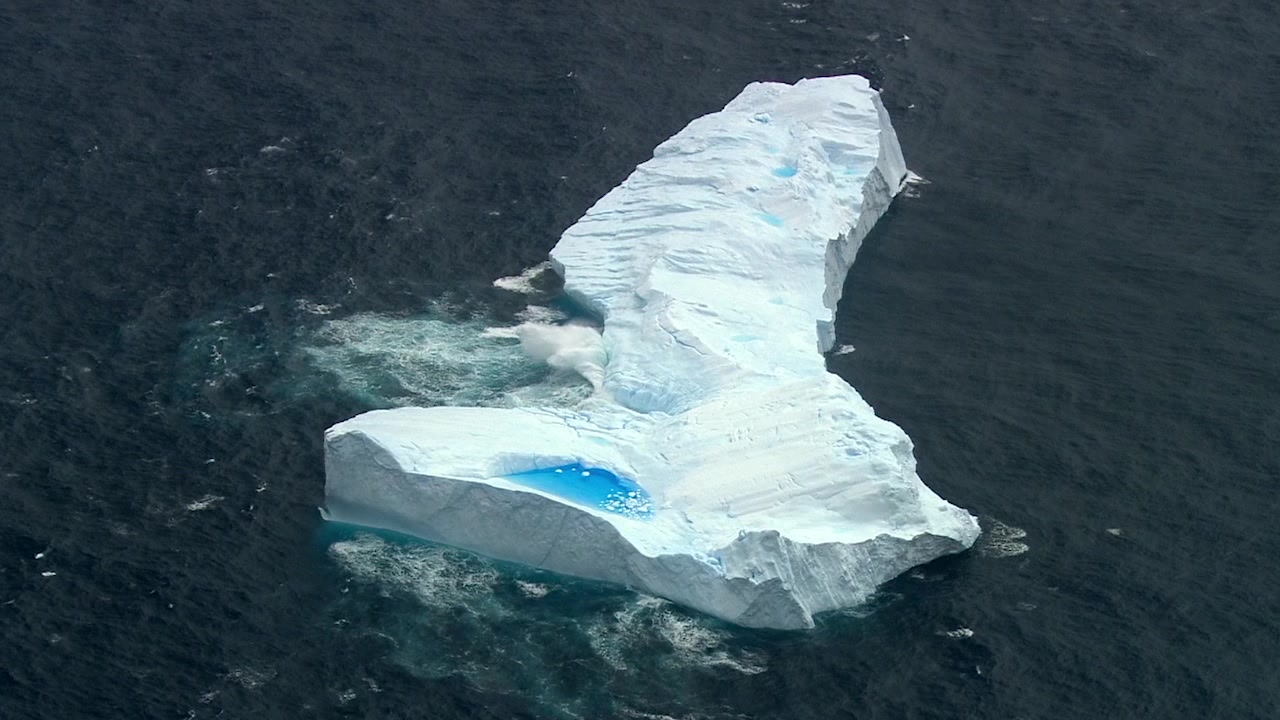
x,y
718,464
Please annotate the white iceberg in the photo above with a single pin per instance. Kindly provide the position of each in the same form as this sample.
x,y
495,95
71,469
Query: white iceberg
x,y
718,464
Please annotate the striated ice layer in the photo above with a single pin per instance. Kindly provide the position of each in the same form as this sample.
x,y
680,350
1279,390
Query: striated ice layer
x,y
718,464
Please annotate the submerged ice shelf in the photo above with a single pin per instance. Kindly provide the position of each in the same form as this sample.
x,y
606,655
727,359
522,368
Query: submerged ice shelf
x,y
718,464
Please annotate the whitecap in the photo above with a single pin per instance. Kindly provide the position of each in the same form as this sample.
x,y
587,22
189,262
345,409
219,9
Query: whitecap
x,y
315,308
251,678
430,359
204,503
1001,541
694,643
532,589
523,283
435,576
541,314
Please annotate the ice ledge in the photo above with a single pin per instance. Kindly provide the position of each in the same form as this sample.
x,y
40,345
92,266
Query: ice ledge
x,y
776,492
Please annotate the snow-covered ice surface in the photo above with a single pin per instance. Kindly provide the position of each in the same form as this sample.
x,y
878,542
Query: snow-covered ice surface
x,y
718,464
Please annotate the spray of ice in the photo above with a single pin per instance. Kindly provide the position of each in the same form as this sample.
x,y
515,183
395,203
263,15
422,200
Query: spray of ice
x,y
573,346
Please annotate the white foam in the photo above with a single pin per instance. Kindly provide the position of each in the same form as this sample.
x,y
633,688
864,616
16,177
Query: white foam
x,y
532,589
204,503
252,678
632,630
912,185
1002,541
642,715
437,577
427,359
696,644
523,283
541,314
313,308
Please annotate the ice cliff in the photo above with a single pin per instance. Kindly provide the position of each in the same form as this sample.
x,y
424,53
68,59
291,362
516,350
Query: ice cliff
x,y
719,464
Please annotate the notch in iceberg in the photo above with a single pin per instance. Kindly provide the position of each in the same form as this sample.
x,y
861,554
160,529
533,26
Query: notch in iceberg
x,y
718,463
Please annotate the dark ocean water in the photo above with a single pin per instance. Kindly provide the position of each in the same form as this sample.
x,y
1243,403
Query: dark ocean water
x,y
226,226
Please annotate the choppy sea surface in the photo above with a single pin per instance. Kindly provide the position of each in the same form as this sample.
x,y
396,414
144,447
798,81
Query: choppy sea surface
x,y
226,226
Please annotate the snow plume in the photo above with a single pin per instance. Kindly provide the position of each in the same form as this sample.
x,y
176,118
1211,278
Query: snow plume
x,y
573,346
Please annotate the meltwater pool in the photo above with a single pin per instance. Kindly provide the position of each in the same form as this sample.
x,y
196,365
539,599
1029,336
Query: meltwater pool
x,y
593,487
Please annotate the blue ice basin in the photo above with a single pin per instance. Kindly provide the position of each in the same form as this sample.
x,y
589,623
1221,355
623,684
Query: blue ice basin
x,y
593,487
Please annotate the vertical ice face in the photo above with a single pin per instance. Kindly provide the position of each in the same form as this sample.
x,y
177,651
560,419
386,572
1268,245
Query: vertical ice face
x,y
718,464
